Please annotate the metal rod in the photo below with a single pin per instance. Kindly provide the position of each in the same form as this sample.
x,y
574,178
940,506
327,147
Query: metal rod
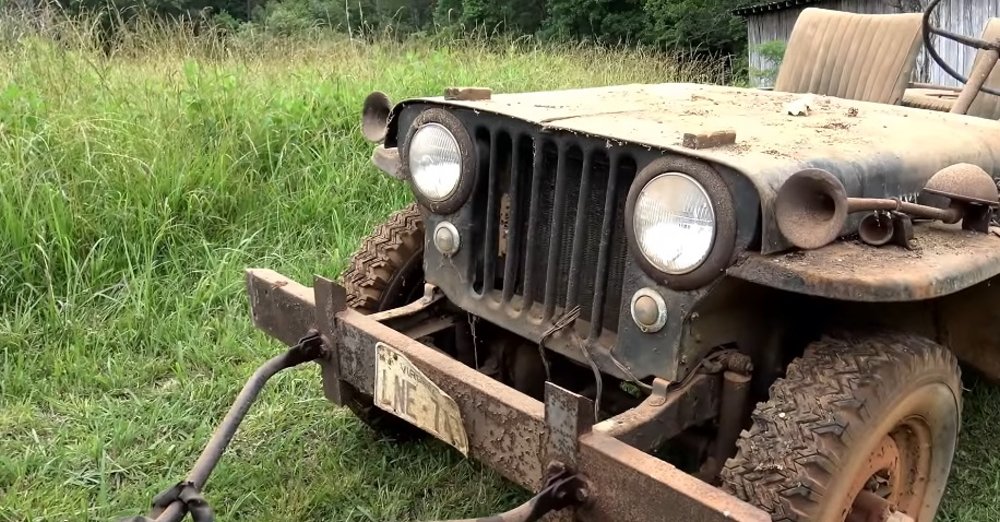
x,y
977,78
735,394
579,233
947,215
604,250
227,429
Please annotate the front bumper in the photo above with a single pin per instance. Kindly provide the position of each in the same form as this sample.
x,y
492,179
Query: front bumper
x,y
508,431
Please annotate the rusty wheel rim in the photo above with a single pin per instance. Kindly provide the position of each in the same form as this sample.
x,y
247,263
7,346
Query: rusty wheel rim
x,y
894,476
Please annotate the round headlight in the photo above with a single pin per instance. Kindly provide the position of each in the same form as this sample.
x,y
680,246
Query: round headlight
x,y
674,223
435,162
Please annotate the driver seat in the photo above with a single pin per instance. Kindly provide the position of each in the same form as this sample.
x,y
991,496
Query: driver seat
x,y
866,57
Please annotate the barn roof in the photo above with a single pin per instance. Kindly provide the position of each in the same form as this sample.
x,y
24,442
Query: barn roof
x,y
774,5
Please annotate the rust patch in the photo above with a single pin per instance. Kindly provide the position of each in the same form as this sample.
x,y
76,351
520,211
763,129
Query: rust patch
x,y
707,140
504,224
468,93
634,486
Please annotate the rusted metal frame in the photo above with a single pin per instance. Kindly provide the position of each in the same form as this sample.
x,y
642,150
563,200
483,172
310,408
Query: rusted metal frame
x,y
631,485
508,431
665,414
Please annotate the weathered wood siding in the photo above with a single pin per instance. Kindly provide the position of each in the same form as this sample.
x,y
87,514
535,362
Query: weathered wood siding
x,y
966,17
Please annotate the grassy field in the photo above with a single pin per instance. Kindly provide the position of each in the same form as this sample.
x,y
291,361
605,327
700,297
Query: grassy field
x,y
133,193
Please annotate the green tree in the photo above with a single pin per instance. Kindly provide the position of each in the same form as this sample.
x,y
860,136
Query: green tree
x,y
521,16
705,26
602,20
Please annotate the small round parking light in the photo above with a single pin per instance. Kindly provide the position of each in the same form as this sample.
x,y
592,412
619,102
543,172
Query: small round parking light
x,y
446,238
649,310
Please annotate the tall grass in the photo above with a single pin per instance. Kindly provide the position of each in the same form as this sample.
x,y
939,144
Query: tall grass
x,y
135,187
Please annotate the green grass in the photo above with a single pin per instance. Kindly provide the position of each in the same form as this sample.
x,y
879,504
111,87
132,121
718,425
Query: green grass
x,y
133,193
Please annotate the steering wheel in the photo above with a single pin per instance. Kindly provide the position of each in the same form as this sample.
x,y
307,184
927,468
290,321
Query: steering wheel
x,y
928,30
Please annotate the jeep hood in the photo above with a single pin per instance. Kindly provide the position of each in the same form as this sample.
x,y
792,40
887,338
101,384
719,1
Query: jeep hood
x,y
876,150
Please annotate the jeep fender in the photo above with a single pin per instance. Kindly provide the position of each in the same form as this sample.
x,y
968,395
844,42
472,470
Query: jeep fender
x,y
943,260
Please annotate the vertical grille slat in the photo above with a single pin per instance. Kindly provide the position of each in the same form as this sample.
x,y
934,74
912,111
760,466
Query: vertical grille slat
x,y
534,217
579,233
514,236
604,251
492,215
555,237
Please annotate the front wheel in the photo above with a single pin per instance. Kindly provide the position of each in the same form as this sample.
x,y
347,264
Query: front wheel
x,y
385,272
858,424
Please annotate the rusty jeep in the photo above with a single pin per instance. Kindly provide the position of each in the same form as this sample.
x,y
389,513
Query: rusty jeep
x,y
665,302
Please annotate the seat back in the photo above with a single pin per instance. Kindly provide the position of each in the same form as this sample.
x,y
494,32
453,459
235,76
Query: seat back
x,y
987,105
854,56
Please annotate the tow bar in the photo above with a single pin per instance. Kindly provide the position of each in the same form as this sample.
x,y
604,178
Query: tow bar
x,y
562,489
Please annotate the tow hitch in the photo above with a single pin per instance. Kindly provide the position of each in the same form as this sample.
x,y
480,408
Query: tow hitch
x,y
185,497
589,471
562,488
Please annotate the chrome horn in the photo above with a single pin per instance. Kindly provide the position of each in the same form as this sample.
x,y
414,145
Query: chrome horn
x,y
812,205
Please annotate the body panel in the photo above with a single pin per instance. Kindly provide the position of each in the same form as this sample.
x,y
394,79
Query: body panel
x,y
946,259
876,150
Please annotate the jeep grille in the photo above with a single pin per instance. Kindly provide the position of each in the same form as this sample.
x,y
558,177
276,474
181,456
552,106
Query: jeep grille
x,y
554,234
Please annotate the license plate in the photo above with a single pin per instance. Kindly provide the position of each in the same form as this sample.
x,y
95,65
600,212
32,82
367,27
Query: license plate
x,y
403,390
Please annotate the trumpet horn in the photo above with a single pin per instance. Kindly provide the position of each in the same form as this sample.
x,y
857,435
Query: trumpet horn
x,y
375,116
812,206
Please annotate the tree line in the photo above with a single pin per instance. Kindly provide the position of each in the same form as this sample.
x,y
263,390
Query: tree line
x,y
703,27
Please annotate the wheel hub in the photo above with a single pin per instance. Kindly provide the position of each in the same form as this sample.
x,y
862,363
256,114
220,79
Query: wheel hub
x,y
891,483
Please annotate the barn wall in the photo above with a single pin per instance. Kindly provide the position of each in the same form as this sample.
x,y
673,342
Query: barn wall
x,y
966,17
961,16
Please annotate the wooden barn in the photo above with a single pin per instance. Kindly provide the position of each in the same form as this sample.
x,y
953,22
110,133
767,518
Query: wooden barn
x,y
774,21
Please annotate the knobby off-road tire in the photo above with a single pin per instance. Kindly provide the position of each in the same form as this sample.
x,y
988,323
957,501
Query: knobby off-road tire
x,y
827,422
385,272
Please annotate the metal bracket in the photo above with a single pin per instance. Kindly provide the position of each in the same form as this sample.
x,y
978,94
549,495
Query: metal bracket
x,y
567,415
661,416
432,294
331,299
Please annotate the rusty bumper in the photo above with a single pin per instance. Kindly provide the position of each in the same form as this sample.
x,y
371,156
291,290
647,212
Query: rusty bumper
x,y
510,432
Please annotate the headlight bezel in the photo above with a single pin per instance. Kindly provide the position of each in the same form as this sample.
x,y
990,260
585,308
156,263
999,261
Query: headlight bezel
x,y
724,240
467,176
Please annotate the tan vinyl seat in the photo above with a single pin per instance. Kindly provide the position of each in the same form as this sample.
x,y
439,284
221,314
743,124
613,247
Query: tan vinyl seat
x,y
854,56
